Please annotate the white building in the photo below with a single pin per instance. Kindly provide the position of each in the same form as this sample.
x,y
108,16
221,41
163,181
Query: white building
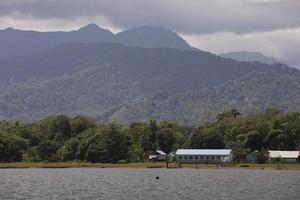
x,y
284,156
204,155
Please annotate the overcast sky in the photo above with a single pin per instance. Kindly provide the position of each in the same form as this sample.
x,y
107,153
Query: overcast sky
x,y
268,26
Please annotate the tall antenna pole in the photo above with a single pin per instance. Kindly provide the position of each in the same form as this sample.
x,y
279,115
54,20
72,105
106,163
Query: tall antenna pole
x,y
153,109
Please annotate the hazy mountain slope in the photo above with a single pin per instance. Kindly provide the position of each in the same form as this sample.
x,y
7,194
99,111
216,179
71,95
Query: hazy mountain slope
x,y
183,70
19,42
253,92
249,57
151,37
100,79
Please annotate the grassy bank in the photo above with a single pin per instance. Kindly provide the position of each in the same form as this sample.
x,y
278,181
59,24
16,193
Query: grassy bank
x,y
147,165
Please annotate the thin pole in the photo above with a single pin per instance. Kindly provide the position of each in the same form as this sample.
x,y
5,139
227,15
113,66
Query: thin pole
x,y
153,109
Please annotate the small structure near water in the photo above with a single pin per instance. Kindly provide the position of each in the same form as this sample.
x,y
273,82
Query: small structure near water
x,y
195,156
158,155
275,156
283,156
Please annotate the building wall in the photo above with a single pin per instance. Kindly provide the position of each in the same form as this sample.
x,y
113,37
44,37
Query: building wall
x,y
203,159
284,160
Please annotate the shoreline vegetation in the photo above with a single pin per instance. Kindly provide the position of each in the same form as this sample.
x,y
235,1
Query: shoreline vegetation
x,y
150,165
80,139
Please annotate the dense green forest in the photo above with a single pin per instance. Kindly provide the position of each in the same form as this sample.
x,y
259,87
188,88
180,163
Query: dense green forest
x,y
115,83
60,138
255,91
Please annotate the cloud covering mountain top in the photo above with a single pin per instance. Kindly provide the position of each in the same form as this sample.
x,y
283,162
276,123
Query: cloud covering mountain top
x,y
189,16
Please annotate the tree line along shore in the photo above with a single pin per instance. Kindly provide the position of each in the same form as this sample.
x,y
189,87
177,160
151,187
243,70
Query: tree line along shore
x,y
76,141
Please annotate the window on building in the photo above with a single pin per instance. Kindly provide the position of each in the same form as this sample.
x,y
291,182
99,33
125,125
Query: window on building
x,y
196,157
201,157
218,157
180,157
207,157
212,157
191,157
185,157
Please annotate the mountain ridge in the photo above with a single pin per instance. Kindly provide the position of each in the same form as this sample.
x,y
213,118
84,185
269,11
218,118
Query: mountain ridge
x,y
15,42
151,37
99,76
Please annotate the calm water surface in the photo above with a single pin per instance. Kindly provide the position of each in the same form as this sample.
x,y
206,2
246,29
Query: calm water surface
x,y
117,184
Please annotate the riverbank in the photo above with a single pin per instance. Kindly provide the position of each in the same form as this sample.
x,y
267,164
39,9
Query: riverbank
x,y
147,165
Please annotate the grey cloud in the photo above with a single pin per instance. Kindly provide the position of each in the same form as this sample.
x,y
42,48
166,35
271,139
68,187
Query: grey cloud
x,y
186,16
282,44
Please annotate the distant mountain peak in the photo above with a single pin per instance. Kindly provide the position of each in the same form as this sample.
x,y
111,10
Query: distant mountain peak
x,y
10,29
152,37
91,27
249,57
150,31
15,42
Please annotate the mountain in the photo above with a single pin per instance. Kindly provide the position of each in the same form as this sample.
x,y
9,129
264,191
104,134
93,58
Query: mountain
x,y
151,37
252,92
113,82
117,77
249,57
19,42
191,69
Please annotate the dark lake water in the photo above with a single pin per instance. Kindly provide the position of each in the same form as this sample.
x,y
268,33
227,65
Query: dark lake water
x,y
115,184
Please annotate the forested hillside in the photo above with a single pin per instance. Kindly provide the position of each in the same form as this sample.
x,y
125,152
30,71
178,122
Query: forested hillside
x,y
118,77
252,92
103,80
61,138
